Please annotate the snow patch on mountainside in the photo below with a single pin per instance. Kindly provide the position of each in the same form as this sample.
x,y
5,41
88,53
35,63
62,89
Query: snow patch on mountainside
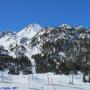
x,y
6,41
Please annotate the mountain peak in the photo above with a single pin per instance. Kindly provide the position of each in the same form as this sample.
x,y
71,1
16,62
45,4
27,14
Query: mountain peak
x,y
29,31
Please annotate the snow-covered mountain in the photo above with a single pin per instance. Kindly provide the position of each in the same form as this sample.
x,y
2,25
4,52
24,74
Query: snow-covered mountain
x,y
48,47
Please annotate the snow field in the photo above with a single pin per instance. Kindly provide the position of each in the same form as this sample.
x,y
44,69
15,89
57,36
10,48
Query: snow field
x,y
46,81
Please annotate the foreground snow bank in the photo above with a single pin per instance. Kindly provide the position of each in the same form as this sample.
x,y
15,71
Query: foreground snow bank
x,y
42,82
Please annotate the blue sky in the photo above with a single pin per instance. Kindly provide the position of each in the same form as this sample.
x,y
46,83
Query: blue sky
x,y
16,14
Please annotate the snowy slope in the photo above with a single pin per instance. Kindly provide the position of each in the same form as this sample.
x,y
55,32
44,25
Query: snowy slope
x,y
7,40
42,82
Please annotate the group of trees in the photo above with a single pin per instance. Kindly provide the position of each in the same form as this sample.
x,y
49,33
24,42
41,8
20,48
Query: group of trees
x,y
15,65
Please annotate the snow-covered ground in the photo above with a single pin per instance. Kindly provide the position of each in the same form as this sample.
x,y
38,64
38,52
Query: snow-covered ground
x,y
46,81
